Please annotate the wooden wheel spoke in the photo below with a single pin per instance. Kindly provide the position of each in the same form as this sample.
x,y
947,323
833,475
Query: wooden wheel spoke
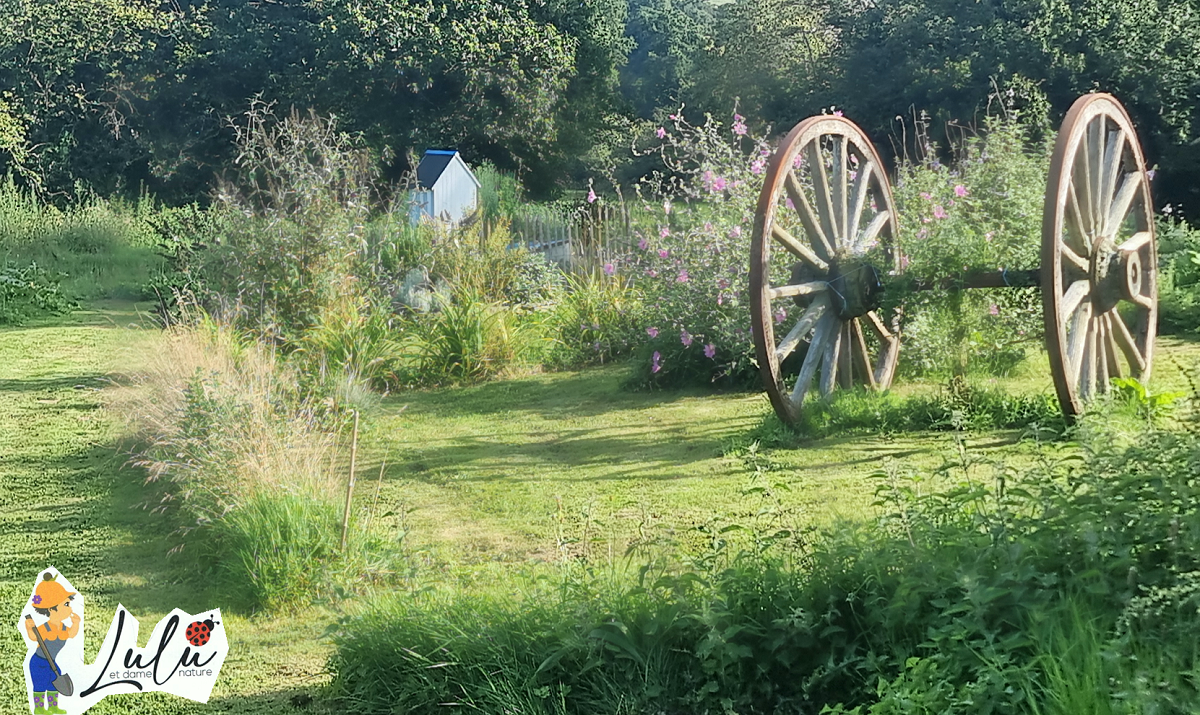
x,y
872,230
1130,184
1113,151
862,356
802,327
811,224
1125,342
879,328
1094,150
841,189
1143,301
799,289
798,249
1076,230
1101,349
1136,242
1110,346
1075,260
816,352
1074,296
862,185
829,364
1076,340
816,165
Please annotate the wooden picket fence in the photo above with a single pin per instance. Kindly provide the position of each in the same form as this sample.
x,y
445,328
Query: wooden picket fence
x,y
582,240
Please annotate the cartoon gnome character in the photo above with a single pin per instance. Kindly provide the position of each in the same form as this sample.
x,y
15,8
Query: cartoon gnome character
x,y
52,600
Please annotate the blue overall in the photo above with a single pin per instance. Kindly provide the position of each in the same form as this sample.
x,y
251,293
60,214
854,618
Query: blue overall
x,y
39,668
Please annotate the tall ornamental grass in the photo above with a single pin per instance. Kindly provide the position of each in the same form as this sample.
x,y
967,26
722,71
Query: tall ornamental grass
x,y
248,469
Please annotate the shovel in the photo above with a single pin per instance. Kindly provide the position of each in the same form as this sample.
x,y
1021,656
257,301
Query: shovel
x,y
62,683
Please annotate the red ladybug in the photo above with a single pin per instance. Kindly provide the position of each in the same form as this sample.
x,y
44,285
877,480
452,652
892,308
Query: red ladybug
x,y
199,632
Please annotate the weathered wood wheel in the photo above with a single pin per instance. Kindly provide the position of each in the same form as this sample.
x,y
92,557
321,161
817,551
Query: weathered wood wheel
x,y
1099,273
827,203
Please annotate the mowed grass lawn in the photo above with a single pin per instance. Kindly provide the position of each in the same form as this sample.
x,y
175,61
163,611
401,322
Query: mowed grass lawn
x,y
484,480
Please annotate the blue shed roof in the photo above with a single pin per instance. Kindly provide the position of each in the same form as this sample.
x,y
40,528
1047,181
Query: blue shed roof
x,y
434,163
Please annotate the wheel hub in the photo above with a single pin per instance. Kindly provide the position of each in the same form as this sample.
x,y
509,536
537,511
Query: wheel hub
x,y
855,286
1114,275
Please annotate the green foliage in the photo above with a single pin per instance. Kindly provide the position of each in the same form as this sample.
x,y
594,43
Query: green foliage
x,y
593,320
296,221
29,291
958,406
1178,276
470,339
980,213
1066,585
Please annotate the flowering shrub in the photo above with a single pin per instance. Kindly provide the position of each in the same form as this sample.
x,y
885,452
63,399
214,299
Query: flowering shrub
x,y
980,213
690,261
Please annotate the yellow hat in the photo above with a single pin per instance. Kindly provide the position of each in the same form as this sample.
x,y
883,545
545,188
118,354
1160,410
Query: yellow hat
x,y
50,593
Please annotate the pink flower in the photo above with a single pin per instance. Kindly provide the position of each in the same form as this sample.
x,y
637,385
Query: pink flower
x,y
642,244
994,310
739,127
780,315
663,253
925,195
673,117
652,332
660,132
735,232
664,232
738,118
758,166
853,175
903,262
837,113
710,351
682,277
719,183
939,212
960,191
797,161
591,196
790,204
608,269
655,361
652,273
686,338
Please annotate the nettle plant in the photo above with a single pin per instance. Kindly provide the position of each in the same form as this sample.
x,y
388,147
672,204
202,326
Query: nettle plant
x,y
979,212
690,258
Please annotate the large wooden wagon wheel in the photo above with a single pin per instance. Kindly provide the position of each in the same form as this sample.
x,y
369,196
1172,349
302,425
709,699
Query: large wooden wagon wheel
x,y
1099,274
824,229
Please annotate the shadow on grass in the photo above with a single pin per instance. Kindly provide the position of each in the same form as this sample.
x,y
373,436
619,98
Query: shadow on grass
x,y
588,393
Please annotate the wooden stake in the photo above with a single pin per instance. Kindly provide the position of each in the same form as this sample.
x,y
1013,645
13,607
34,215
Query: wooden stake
x,y
350,484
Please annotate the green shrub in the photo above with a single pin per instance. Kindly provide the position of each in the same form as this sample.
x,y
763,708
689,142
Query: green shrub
x,y
29,291
469,339
595,319
1178,276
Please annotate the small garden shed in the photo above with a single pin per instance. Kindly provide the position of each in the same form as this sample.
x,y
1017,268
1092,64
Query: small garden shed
x,y
446,187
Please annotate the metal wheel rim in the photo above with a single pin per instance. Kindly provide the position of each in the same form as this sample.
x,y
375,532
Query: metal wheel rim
x,y
841,211
1097,203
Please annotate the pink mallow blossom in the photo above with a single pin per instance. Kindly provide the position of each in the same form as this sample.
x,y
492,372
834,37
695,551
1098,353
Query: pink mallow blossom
x,y
939,212
643,244
710,351
656,361
719,183
652,332
686,338
608,269
591,196
682,277
664,232
663,253
660,133
960,191
739,128
994,310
